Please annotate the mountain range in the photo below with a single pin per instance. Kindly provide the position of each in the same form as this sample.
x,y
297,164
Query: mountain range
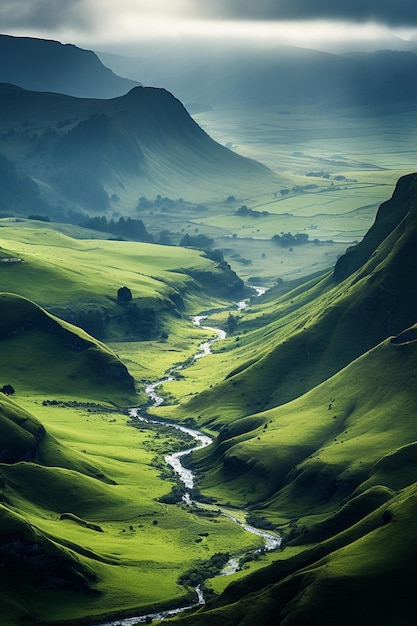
x,y
283,75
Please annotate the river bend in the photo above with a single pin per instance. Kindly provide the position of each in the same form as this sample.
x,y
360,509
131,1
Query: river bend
x,y
272,542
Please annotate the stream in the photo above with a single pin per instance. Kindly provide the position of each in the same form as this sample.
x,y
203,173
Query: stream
x,y
272,542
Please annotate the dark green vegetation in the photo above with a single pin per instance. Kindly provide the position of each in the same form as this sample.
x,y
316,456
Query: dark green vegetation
x,y
316,418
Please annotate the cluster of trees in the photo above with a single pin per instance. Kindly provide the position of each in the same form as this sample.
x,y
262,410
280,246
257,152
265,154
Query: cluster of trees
x,y
196,241
126,228
203,570
287,240
141,321
298,189
93,320
243,211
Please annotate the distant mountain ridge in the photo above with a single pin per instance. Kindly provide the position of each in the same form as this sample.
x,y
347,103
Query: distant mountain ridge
x,y
282,75
45,65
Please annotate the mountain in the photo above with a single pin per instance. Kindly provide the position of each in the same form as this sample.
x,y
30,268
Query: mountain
x,y
102,154
283,75
330,460
44,65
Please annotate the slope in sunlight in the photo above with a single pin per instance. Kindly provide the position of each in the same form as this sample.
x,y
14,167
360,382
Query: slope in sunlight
x,y
335,467
44,354
314,332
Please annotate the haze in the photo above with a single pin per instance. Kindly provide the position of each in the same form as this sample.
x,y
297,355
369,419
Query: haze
x,y
121,26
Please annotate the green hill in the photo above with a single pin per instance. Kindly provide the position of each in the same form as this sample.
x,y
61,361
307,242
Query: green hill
x,y
78,278
331,461
43,354
293,343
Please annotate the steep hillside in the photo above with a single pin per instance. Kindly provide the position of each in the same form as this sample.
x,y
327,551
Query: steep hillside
x,y
43,354
97,155
333,468
308,335
43,65
363,576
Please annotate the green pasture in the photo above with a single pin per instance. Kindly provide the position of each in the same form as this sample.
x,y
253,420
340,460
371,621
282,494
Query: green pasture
x,y
112,522
58,269
298,141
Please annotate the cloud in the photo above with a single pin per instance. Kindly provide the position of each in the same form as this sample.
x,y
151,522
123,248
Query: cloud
x,y
87,13
101,22
398,13
42,14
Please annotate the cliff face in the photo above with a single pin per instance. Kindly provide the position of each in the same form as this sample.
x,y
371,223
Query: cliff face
x,y
389,217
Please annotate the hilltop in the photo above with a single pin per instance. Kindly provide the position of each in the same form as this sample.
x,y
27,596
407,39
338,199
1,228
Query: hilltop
x,y
64,154
45,65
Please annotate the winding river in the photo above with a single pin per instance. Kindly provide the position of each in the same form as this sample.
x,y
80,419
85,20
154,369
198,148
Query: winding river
x,y
272,542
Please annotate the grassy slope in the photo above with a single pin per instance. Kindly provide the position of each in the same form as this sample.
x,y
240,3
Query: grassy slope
x,y
334,467
78,511
362,576
72,277
42,354
80,531
57,268
308,335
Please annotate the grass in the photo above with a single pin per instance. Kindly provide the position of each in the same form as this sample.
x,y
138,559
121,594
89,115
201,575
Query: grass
x,y
58,269
304,440
341,578
334,467
103,514
87,482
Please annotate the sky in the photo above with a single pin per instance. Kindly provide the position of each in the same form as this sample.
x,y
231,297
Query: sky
x,y
120,24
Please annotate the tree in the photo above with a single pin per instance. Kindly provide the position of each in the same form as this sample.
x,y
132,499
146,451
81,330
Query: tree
x,y
124,295
232,322
7,389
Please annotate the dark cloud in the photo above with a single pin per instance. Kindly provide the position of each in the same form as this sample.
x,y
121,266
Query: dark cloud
x,y
40,14
389,12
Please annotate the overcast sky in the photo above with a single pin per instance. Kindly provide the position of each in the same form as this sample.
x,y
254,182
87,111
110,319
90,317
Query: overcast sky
x,y
107,23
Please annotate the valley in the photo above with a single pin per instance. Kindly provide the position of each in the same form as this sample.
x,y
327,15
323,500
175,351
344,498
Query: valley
x,y
273,231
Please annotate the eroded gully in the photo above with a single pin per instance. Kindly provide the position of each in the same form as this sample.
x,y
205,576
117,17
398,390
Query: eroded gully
x,y
272,542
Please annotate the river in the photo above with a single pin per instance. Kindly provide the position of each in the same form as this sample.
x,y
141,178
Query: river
x,y
272,542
